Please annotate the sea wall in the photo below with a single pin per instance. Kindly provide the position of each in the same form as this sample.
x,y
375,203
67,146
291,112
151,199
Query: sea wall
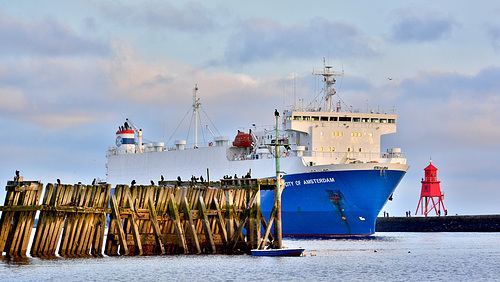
x,y
463,223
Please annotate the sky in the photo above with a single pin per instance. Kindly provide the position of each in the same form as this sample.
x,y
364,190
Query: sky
x,y
71,72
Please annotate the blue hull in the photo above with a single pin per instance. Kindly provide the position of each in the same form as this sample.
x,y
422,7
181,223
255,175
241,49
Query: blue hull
x,y
333,203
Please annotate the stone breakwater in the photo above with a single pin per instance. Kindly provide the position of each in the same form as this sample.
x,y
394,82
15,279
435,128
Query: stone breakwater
x,y
463,223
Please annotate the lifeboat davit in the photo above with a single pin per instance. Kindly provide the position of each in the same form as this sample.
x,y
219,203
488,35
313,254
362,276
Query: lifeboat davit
x,y
243,140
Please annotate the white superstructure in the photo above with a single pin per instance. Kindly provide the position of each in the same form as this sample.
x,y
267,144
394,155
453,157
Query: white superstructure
x,y
331,138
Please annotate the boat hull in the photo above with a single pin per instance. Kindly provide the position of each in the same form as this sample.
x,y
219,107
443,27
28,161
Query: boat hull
x,y
333,203
278,253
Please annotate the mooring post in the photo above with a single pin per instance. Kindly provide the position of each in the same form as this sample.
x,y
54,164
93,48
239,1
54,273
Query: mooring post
x,y
277,192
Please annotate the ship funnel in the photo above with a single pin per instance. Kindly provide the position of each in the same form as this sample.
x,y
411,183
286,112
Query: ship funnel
x,y
125,141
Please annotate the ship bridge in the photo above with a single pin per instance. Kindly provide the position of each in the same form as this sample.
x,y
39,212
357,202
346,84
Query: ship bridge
x,y
350,132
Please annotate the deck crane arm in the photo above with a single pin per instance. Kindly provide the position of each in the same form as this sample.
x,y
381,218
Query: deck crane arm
x,y
211,132
139,145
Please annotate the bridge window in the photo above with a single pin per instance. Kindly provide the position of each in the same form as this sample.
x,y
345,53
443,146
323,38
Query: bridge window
x,y
306,118
375,120
356,119
344,118
324,118
392,120
365,120
383,120
315,118
333,118
297,118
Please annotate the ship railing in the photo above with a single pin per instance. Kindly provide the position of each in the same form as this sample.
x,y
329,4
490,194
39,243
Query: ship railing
x,y
347,157
381,111
339,157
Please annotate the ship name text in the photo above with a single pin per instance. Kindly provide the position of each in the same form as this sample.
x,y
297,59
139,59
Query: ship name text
x,y
309,181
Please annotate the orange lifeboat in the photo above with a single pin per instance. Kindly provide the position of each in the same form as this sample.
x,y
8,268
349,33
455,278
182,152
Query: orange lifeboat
x,y
243,140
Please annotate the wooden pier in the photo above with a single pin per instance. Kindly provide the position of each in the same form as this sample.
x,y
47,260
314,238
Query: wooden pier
x,y
169,218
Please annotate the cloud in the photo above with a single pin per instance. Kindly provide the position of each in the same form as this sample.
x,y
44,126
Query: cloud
x,y
159,14
452,110
45,37
11,100
494,34
167,80
261,39
62,120
54,93
423,27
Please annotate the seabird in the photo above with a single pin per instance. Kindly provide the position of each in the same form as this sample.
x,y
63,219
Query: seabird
x,y
276,113
133,182
58,181
152,182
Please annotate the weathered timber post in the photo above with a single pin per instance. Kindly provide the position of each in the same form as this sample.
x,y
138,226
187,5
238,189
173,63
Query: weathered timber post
x,y
16,226
254,231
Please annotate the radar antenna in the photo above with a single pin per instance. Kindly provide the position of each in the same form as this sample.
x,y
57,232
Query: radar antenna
x,y
329,78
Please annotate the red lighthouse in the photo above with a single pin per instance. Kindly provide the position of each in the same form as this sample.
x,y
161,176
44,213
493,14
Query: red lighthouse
x,y
431,191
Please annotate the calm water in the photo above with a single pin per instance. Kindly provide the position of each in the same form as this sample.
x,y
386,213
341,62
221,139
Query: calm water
x,y
386,256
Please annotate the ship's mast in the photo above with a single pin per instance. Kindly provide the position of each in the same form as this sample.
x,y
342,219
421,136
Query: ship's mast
x,y
329,77
196,105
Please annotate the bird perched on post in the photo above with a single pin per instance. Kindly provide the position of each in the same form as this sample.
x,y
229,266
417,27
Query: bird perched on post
x,y
152,182
132,183
276,113
58,181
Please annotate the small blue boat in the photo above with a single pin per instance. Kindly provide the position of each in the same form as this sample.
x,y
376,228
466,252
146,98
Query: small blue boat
x,y
278,252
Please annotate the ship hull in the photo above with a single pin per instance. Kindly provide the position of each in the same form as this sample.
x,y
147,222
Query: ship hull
x,y
333,203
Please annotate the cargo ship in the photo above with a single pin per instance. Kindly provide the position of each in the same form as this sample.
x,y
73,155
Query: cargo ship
x,y
336,178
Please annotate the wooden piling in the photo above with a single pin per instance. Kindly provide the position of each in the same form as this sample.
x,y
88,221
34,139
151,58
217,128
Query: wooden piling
x,y
16,225
172,218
